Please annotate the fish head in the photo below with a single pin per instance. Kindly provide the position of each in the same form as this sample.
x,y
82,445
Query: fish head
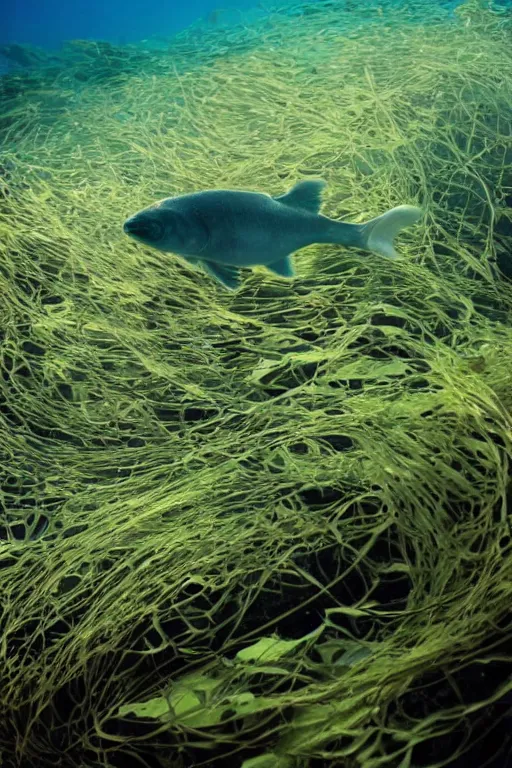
x,y
166,228
145,227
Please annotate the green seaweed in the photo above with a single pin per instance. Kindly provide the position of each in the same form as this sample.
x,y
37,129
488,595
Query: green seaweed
x,y
270,527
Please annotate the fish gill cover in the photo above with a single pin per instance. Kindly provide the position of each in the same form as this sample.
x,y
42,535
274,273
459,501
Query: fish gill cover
x,y
269,528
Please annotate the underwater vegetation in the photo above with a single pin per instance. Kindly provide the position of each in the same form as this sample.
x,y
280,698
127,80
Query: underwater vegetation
x,y
269,528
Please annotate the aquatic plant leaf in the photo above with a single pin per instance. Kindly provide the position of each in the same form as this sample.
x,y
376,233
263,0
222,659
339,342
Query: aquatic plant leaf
x,y
154,708
193,702
342,653
269,365
263,368
273,648
349,611
322,722
268,760
187,695
367,368
267,670
238,705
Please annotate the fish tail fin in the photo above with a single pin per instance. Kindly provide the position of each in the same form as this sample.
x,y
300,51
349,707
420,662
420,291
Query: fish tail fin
x,y
378,234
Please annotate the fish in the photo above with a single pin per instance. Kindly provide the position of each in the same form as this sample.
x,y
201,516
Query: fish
x,y
225,230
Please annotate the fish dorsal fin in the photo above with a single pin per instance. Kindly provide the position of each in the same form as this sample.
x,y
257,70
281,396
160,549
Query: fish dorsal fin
x,y
283,267
228,276
306,195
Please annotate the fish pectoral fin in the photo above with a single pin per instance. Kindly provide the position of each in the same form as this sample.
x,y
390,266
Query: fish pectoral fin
x,y
228,276
283,267
306,195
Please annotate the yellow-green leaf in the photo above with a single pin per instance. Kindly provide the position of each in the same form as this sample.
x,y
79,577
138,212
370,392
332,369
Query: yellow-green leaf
x,y
155,708
268,760
273,648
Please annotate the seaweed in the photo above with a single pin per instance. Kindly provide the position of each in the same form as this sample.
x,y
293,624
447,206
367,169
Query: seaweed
x,y
269,528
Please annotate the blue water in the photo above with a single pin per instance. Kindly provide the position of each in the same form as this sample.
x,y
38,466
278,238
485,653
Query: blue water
x,y
49,23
